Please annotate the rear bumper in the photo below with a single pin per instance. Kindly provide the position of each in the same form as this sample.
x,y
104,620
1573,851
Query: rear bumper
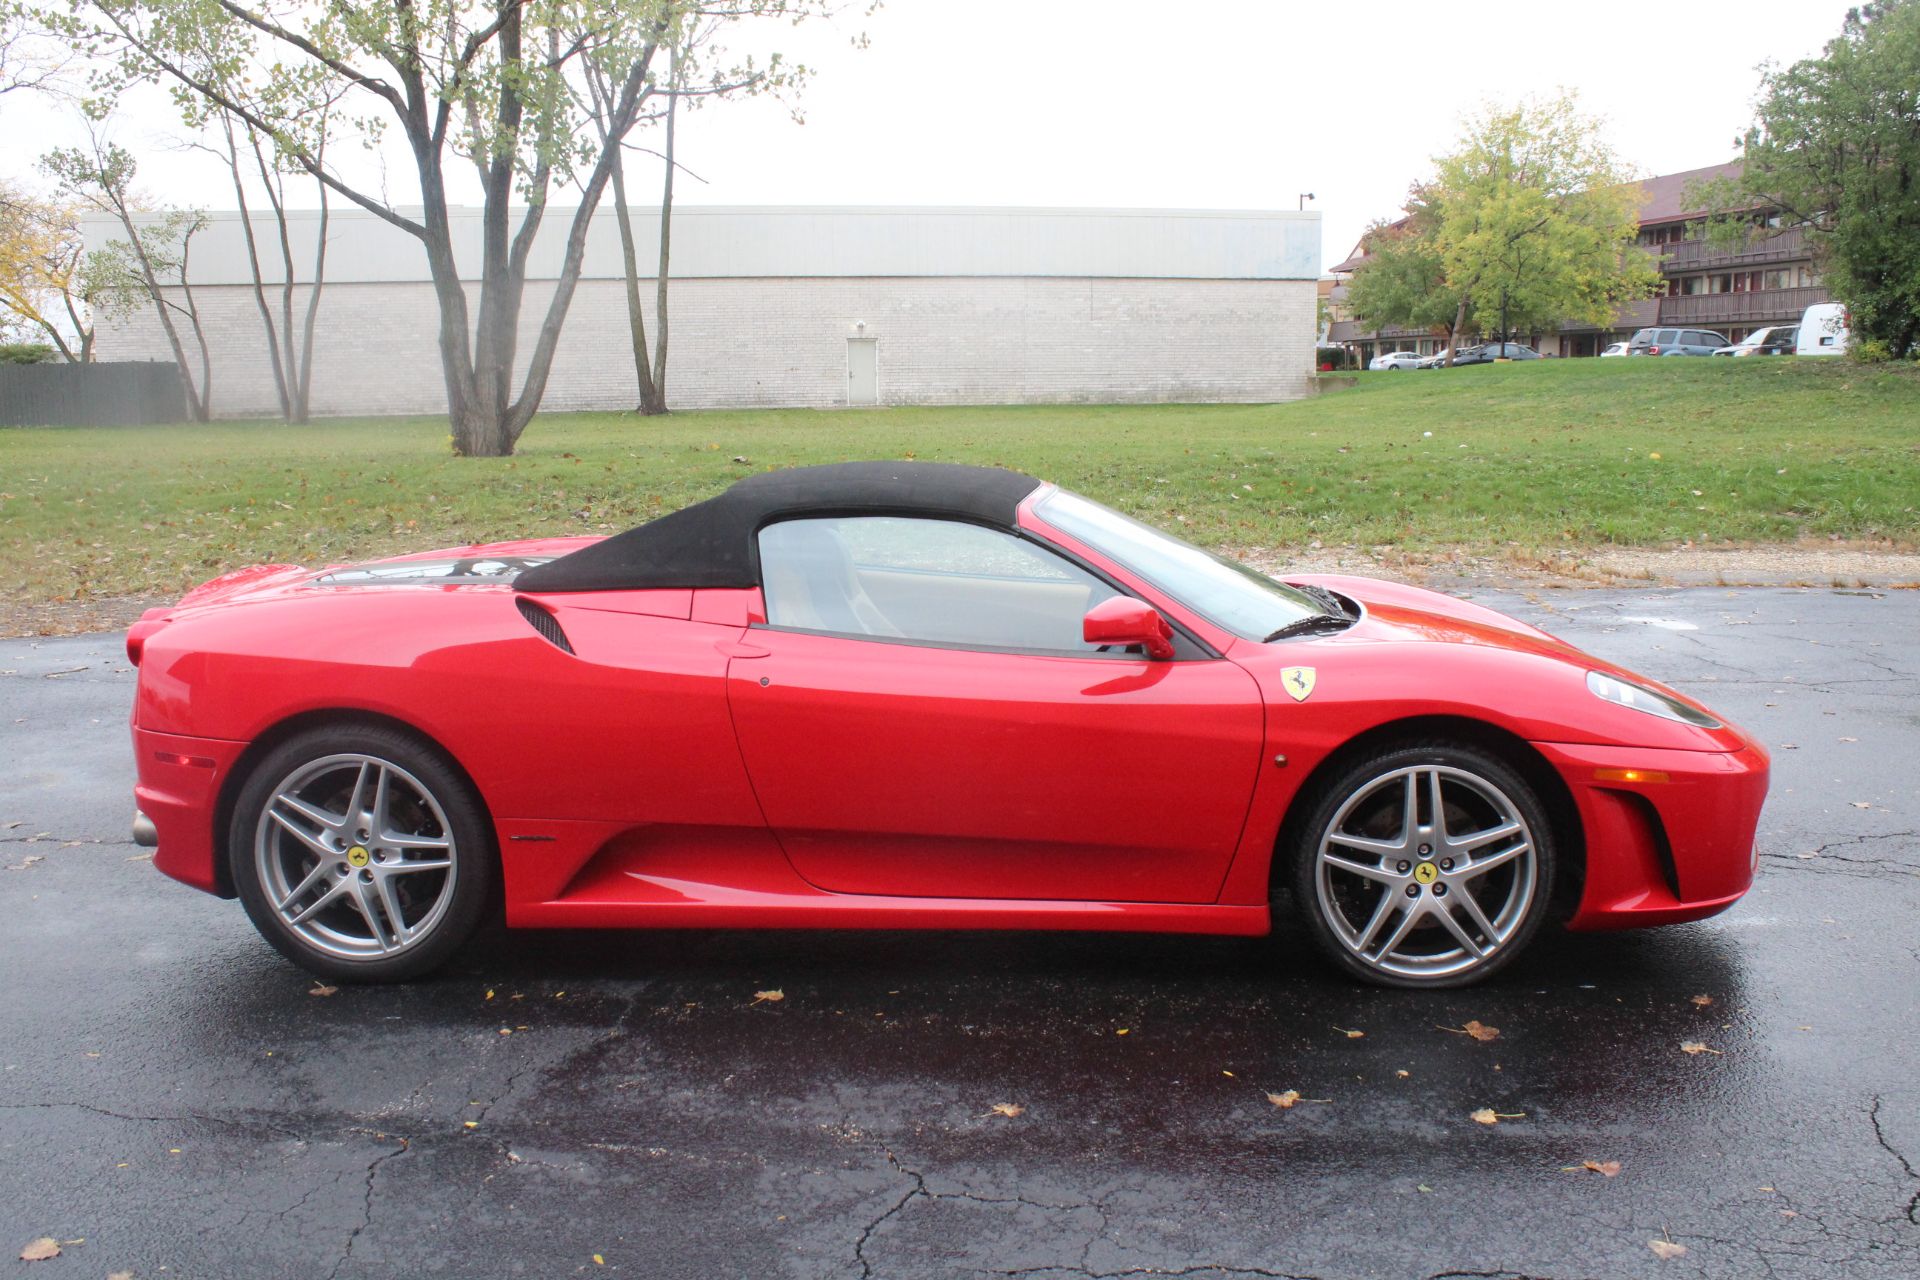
x,y
178,791
1669,834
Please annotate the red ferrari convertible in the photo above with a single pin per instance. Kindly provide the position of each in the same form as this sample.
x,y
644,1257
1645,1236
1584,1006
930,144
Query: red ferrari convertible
x,y
908,695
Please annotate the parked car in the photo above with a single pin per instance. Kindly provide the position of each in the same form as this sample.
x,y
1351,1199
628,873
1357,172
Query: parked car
x,y
1435,360
1615,349
1488,352
1395,360
1825,330
913,695
1676,342
1774,340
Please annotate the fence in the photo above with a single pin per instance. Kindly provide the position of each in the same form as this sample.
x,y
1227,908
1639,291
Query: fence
x,y
90,395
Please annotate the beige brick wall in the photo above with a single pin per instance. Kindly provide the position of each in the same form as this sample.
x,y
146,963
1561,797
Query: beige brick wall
x,y
748,342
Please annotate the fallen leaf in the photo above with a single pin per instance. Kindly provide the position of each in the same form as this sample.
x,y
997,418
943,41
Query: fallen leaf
x,y
119,1275
769,997
25,863
1703,1001
1849,739
1861,804
1696,1048
1475,1028
1285,1101
41,1250
1228,1074
470,1124
322,990
1605,1168
1402,1075
1487,1115
1667,1249
599,1261
1121,1031
1351,1035
1008,1109
506,1031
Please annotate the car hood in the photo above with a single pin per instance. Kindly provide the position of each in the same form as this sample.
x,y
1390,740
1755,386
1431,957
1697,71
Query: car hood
x,y
1483,640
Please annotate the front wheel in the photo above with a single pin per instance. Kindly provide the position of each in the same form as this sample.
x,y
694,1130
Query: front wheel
x,y
1424,866
360,854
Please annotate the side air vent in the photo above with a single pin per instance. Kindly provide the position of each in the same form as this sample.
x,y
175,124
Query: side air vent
x,y
545,623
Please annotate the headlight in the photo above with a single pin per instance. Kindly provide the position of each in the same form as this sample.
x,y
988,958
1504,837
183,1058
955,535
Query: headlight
x,y
1626,694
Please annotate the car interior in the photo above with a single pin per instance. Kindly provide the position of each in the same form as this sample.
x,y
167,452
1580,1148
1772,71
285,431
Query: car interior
x,y
937,581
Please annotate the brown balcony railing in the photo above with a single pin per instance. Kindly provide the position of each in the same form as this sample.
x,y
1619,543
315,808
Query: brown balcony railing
x,y
1766,306
1789,245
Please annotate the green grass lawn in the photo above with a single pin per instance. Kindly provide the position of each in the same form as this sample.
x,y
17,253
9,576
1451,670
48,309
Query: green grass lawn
x,y
1542,455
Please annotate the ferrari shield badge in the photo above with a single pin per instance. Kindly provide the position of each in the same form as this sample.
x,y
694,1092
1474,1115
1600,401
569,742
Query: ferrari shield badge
x,y
1298,682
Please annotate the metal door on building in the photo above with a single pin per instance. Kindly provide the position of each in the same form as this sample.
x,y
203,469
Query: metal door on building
x,y
863,371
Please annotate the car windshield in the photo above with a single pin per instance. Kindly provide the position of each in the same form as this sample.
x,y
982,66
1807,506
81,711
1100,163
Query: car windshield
x,y
1230,595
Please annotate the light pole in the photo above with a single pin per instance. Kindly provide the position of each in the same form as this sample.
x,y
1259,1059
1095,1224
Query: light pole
x,y
1304,197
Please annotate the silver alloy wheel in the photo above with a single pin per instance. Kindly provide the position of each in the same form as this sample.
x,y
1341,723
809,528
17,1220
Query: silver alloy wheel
x,y
356,856
1426,871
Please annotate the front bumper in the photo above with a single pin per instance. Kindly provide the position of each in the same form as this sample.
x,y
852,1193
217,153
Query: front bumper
x,y
178,793
1669,834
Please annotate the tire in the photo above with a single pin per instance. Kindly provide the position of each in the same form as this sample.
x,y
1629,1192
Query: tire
x,y
1420,904
346,892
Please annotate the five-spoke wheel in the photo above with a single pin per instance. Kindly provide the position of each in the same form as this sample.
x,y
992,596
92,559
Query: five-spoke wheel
x,y
1425,866
359,853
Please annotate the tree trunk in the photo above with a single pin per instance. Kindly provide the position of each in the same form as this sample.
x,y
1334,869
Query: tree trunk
x,y
253,265
658,404
636,322
303,383
1459,323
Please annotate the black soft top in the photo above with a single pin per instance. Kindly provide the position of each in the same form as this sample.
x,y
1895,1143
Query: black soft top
x,y
713,543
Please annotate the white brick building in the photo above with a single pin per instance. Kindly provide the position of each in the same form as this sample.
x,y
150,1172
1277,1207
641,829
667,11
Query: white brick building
x,y
813,307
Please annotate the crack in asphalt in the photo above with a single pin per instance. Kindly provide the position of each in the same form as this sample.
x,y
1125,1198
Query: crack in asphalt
x,y
1201,1269
366,1211
1886,866
1880,1136
919,1188
190,1117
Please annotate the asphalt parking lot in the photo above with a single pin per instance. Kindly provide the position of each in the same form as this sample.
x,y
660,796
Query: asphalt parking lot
x,y
174,1101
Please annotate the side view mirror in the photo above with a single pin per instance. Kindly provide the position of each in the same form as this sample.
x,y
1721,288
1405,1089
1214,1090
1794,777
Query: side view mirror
x,y
1123,620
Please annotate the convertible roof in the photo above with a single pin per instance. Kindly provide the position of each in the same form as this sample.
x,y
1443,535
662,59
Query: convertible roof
x,y
712,543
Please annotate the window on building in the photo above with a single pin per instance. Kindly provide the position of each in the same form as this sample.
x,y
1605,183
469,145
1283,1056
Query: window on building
x,y
1775,278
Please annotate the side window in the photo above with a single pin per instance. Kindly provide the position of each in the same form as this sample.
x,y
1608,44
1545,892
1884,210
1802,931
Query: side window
x,y
936,581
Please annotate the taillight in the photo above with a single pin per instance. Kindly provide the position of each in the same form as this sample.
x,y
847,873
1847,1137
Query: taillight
x,y
1653,351
150,621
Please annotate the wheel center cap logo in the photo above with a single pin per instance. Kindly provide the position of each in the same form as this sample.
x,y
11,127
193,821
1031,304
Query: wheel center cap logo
x,y
358,857
1426,873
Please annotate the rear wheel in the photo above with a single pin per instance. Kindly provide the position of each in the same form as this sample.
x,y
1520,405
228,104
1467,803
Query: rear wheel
x,y
1424,866
360,854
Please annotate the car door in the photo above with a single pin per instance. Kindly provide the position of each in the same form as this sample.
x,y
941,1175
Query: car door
x,y
920,717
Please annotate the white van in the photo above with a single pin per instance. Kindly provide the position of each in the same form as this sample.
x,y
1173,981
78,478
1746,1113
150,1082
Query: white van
x,y
1824,330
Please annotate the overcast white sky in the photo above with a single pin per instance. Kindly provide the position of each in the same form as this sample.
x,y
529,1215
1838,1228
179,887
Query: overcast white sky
x,y
1239,104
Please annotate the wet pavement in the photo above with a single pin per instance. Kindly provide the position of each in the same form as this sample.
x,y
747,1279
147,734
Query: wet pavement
x,y
174,1101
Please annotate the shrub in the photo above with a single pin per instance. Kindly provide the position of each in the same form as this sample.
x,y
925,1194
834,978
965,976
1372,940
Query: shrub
x,y
25,352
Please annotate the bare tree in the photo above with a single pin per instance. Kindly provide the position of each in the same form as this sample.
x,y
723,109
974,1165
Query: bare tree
x,y
289,345
699,71
151,266
495,84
